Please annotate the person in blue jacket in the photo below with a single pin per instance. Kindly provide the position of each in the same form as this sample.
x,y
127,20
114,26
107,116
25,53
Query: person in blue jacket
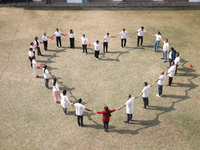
x,y
172,55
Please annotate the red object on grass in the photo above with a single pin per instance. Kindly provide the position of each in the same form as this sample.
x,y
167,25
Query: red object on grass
x,y
65,34
191,65
89,45
40,65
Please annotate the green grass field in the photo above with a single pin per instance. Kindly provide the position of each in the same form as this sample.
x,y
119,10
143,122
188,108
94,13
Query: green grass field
x,y
30,119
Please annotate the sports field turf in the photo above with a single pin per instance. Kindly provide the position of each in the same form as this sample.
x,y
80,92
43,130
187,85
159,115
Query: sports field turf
x,y
30,119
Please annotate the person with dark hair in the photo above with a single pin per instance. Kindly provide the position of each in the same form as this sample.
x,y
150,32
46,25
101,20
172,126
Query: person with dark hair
x,y
165,49
123,38
106,116
172,55
171,72
84,43
71,38
31,55
177,61
46,76
157,42
37,45
64,101
161,81
45,41
105,42
56,90
129,107
58,34
34,65
33,47
79,111
140,33
145,94
96,49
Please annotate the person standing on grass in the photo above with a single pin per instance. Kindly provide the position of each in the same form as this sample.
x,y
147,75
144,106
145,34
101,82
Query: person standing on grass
x,y
96,49
171,72
37,45
84,41
56,90
33,47
145,94
165,49
129,107
46,76
71,38
123,38
106,116
58,34
45,41
140,33
31,55
177,61
105,42
48,2
161,81
172,56
157,42
64,101
79,112
34,65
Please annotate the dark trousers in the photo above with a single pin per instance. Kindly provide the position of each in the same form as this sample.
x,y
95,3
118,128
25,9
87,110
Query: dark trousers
x,y
105,47
58,41
84,48
146,101
123,43
160,87
65,110
105,124
170,81
176,69
71,42
170,62
30,58
34,53
96,54
139,40
48,1
45,45
47,83
129,117
80,120
38,51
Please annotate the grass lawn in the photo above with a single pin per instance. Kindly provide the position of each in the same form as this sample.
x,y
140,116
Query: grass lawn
x,y
30,119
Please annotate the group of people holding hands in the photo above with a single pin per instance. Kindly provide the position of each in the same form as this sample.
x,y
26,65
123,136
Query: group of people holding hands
x,y
174,61
97,43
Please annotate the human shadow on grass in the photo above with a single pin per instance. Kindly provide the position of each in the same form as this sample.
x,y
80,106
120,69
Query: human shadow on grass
x,y
104,58
155,122
164,109
98,126
69,90
44,62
